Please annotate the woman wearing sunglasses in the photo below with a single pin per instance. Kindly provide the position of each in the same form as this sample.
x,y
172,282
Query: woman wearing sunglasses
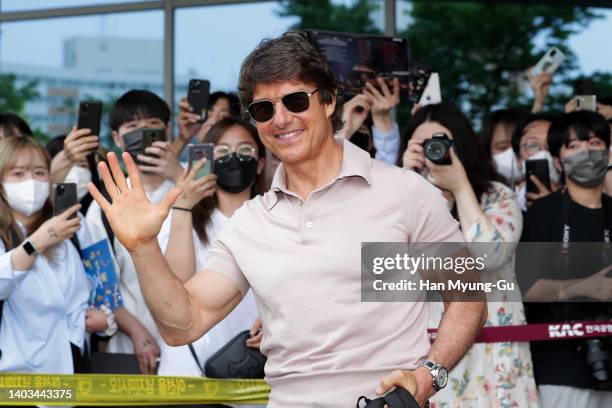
x,y
198,216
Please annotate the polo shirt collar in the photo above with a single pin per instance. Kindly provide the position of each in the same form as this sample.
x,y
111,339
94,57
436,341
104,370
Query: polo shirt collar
x,y
355,162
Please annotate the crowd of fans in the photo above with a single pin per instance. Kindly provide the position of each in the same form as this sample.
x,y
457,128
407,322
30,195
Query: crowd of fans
x,y
49,325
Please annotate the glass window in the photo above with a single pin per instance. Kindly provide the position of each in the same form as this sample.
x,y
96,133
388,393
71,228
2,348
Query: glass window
x,y
29,5
74,58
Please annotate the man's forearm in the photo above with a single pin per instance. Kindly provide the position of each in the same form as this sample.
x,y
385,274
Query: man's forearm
x,y
167,299
459,326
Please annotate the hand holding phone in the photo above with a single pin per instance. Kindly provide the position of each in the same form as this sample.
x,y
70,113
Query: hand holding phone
x,y
539,169
64,198
198,94
549,63
198,152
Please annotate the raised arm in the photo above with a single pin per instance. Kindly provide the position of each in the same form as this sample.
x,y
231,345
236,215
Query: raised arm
x,y
183,313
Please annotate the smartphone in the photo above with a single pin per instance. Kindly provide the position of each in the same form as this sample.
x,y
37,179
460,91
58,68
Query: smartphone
x,y
586,102
197,95
65,197
150,135
136,141
90,116
199,151
549,62
432,93
538,168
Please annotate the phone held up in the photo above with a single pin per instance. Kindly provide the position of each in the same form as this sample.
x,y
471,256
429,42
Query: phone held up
x,y
198,94
199,151
64,198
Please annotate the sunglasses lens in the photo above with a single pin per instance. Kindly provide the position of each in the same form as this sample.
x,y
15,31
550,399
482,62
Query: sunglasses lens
x,y
296,102
261,111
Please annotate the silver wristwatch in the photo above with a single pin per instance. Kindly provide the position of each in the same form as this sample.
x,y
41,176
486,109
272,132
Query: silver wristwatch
x,y
438,373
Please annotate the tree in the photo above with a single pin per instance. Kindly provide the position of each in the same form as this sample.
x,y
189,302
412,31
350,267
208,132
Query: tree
x,y
482,50
323,15
14,98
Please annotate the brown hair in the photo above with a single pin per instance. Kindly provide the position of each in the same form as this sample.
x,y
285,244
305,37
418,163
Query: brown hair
x,y
288,57
10,148
203,210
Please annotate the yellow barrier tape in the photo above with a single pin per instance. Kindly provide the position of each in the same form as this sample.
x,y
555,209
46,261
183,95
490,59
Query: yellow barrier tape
x,y
116,389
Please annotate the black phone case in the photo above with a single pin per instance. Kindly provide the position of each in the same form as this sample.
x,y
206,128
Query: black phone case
x,y
65,197
538,168
132,143
236,360
90,116
152,135
198,94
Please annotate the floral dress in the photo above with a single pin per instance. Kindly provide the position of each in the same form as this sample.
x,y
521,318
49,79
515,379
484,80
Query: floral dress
x,y
498,375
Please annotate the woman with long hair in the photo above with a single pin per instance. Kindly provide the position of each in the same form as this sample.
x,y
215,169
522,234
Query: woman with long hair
x,y
198,216
489,375
43,288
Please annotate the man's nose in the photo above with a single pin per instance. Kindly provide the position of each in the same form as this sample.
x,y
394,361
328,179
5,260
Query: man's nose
x,y
281,116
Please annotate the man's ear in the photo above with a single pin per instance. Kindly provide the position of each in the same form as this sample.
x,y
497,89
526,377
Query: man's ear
x,y
331,107
261,165
558,164
117,139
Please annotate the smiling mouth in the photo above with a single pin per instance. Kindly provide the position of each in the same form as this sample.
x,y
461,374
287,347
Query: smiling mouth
x,y
288,135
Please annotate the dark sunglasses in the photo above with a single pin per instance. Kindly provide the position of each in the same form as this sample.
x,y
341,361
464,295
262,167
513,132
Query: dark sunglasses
x,y
296,102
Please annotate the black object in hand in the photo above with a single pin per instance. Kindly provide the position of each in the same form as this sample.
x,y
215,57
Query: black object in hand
x,y
398,398
437,149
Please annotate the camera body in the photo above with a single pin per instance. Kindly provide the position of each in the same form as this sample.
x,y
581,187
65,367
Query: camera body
x,y
437,149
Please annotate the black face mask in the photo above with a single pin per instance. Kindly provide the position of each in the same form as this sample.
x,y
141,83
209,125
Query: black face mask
x,y
235,175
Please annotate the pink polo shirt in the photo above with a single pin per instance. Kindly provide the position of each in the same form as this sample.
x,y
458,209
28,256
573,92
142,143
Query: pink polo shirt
x,y
302,259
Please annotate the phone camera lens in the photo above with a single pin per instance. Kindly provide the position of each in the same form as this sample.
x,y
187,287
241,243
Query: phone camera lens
x,y
553,53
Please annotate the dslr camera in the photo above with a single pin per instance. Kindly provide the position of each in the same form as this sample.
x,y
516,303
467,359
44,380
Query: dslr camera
x,y
437,149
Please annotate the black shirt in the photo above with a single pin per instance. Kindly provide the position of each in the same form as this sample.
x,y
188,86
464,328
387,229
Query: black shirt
x,y
562,362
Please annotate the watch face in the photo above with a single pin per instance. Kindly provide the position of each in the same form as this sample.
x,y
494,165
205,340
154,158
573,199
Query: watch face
x,y
442,377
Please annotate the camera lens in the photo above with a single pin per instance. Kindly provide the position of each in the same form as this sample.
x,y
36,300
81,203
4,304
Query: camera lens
x,y
553,53
435,150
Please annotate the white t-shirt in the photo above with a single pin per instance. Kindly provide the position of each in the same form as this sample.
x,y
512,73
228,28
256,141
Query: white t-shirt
x,y
128,279
178,360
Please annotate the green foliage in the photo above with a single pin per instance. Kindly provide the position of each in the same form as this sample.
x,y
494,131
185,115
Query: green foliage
x,y
324,15
14,98
482,50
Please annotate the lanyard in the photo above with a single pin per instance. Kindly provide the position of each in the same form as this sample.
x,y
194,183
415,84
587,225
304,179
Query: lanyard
x,y
567,202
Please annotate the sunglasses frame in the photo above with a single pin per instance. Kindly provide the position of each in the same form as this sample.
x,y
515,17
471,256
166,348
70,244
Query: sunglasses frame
x,y
272,101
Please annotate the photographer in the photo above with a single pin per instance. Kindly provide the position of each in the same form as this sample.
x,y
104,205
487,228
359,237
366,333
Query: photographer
x,y
137,333
377,134
198,215
496,138
529,143
488,212
43,289
579,142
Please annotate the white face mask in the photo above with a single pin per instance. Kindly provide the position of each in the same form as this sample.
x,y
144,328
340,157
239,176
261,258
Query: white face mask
x,y
26,197
80,176
507,167
552,171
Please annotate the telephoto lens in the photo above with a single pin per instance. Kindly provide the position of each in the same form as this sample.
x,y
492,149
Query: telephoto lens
x,y
598,362
437,149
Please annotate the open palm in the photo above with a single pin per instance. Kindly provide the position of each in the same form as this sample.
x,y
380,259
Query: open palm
x,y
132,217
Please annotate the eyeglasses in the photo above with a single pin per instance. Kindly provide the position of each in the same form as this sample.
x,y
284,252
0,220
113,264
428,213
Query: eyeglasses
x,y
296,102
244,152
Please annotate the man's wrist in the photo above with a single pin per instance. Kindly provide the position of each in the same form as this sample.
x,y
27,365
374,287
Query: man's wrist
x,y
425,383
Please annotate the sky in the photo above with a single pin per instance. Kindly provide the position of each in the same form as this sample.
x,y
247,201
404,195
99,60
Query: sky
x,y
211,41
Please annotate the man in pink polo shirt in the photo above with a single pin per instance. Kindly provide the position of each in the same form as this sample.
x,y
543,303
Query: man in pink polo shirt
x,y
298,248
